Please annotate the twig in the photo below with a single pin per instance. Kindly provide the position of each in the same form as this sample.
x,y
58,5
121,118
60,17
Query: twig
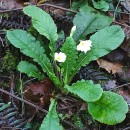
x,y
59,7
1,41
121,24
29,81
23,100
128,128
12,128
116,9
6,11
12,86
70,3
37,107
118,12
50,5
120,86
21,88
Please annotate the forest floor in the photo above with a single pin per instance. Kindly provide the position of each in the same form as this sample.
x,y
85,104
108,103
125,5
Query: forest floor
x,y
16,91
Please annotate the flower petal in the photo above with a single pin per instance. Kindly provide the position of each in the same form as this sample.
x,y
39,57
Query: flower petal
x,y
56,56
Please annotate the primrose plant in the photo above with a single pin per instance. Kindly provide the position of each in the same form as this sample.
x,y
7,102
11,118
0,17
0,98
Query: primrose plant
x,y
61,65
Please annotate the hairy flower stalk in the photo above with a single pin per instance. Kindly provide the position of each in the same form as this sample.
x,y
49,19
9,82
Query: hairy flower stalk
x,y
60,57
84,45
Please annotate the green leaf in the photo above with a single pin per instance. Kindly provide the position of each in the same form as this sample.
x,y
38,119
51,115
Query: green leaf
x,y
103,42
88,21
86,90
69,48
101,4
78,4
61,35
43,23
110,109
29,69
51,121
32,48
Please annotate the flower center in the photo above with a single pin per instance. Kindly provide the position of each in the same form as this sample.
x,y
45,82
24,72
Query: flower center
x,y
58,58
82,43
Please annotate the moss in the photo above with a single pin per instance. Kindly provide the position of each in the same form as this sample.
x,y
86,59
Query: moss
x,y
8,63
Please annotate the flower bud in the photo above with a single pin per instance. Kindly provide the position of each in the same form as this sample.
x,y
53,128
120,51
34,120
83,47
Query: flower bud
x,y
72,31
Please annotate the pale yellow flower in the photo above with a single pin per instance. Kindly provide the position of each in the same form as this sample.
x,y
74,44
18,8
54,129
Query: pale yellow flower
x,y
84,45
60,57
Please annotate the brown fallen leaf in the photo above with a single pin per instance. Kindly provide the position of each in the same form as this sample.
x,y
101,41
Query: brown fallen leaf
x,y
39,92
109,66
